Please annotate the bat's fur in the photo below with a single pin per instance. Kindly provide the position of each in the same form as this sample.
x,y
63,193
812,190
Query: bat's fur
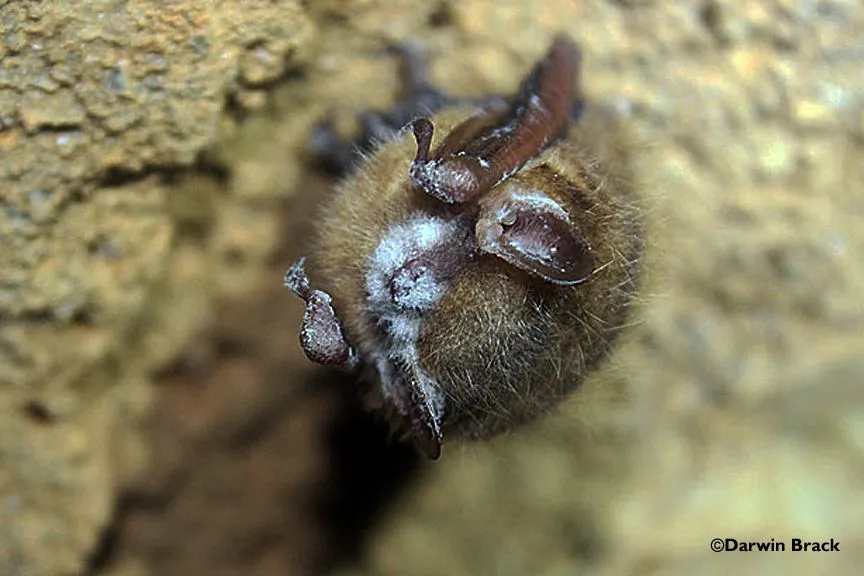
x,y
501,346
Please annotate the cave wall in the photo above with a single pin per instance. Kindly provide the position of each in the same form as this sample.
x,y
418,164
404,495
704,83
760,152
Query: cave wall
x,y
154,185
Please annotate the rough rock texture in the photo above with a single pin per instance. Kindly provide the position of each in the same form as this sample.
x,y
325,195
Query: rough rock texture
x,y
99,102
732,411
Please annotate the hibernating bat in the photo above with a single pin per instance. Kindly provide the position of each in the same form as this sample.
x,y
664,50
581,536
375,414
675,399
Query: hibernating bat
x,y
476,273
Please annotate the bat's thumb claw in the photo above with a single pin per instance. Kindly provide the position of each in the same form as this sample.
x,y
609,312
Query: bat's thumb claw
x,y
296,280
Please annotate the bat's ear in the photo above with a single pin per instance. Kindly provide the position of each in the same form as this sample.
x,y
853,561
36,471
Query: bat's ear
x,y
531,231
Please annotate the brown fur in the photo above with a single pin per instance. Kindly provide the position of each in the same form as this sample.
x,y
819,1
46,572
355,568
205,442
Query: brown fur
x,y
504,346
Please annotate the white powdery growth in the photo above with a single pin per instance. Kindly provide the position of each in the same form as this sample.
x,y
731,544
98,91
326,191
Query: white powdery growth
x,y
397,280
399,288
533,199
437,177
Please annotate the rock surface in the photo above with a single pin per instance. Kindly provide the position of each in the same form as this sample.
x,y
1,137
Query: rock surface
x,y
100,103
142,208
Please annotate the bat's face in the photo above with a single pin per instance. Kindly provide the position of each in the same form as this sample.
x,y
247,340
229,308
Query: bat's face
x,y
478,280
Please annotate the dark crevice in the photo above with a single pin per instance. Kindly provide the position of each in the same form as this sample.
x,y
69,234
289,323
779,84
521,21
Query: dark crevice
x,y
57,128
442,16
217,171
104,552
237,111
370,470
41,316
234,109
117,177
711,13
38,412
83,315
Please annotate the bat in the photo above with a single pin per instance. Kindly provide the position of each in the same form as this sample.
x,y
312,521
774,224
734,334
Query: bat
x,y
479,259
